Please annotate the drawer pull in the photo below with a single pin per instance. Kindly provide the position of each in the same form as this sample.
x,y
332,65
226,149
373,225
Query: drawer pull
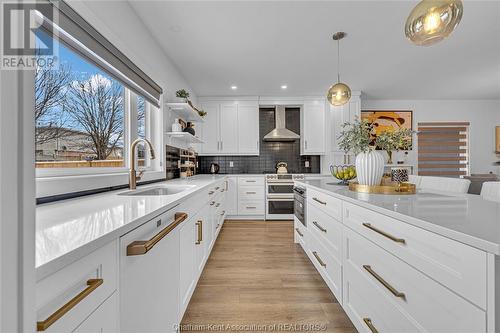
x,y
212,203
223,212
383,282
369,323
250,181
92,285
298,231
141,247
217,204
318,226
222,190
217,188
211,192
319,259
383,233
251,207
321,202
200,232
251,192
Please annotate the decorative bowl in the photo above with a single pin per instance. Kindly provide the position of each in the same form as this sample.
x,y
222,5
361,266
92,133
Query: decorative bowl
x,y
344,173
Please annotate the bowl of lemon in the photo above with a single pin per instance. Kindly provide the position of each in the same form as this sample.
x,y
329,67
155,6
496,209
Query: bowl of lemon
x,y
344,173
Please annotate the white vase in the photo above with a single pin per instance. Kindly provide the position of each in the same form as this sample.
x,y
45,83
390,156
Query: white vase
x,y
370,168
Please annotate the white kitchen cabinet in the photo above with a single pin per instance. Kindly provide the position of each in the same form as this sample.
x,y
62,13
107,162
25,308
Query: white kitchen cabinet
x,y
187,240
149,274
102,320
339,115
230,128
232,196
95,275
313,123
203,228
210,129
248,128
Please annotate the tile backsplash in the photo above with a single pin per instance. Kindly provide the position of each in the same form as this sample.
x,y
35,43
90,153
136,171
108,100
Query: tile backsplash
x,y
270,152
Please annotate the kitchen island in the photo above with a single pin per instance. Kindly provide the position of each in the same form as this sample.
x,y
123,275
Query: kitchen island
x,y
405,263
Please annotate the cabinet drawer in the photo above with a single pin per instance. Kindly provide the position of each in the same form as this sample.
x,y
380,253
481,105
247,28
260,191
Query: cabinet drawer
x,y
330,205
327,265
432,306
251,193
455,265
326,229
242,181
251,208
300,234
96,273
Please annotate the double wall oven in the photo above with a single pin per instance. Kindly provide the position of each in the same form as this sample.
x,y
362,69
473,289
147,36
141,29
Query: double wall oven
x,y
279,196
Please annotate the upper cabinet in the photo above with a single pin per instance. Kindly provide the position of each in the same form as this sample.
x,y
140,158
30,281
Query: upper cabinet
x,y
230,128
313,127
342,114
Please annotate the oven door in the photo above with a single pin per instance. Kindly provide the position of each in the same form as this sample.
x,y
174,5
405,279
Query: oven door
x,y
280,208
279,189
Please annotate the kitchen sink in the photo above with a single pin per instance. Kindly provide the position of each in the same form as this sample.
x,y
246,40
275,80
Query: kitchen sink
x,y
156,191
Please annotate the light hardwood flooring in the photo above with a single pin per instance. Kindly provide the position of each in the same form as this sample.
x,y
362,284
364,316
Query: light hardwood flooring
x,y
256,275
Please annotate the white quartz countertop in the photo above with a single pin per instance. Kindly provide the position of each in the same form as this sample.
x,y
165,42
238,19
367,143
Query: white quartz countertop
x,y
466,218
69,229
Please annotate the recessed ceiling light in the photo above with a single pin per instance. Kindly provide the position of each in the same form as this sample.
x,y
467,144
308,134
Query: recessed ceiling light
x,y
284,86
234,87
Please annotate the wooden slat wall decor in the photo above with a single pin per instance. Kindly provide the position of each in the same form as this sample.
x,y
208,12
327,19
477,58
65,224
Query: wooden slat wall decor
x,y
443,149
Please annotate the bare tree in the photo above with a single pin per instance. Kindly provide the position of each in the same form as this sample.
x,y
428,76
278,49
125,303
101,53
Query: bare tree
x,y
96,106
50,87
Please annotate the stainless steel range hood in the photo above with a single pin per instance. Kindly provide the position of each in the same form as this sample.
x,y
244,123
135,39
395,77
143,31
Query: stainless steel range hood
x,y
281,133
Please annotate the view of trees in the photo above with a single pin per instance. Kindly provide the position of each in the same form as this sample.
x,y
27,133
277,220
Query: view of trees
x,y
90,106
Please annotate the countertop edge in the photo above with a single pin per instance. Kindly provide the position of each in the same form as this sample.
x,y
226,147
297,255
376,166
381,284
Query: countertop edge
x,y
469,240
67,258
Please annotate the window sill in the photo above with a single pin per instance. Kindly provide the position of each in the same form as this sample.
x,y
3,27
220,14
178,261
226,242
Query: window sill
x,y
49,186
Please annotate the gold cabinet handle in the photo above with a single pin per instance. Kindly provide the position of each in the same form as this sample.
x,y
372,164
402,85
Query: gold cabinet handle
x,y
217,188
212,203
250,181
319,226
369,323
251,207
384,282
223,212
251,192
319,259
92,285
321,202
298,231
383,233
200,232
142,247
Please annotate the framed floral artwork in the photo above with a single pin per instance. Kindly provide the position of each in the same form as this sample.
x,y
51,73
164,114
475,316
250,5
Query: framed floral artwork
x,y
387,120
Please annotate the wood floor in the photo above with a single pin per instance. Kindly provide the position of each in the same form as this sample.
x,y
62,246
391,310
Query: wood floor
x,y
255,277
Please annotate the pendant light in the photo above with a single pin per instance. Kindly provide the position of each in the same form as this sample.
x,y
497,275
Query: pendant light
x,y
433,20
339,93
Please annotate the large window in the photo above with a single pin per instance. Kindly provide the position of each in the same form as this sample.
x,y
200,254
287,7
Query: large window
x,y
81,115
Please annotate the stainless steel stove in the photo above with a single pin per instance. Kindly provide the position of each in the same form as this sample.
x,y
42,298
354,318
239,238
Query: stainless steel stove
x,y
279,195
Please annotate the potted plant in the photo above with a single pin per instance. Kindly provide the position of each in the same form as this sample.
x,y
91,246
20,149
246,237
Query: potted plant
x,y
355,138
394,141
182,93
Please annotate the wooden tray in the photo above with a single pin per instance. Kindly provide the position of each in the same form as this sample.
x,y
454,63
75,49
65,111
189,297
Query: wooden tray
x,y
392,189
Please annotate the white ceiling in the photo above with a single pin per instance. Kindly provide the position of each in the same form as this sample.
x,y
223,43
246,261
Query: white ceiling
x,y
261,45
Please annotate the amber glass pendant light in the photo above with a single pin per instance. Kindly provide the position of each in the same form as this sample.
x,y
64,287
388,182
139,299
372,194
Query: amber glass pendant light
x,y
339,93
433,20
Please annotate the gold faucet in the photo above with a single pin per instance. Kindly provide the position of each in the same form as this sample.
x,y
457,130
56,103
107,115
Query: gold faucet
x,y
133,176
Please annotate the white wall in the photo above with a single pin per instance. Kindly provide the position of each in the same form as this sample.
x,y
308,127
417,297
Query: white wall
x,y
483,116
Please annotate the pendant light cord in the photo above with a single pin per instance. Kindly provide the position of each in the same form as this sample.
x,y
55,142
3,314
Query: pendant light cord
x,y
338,60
